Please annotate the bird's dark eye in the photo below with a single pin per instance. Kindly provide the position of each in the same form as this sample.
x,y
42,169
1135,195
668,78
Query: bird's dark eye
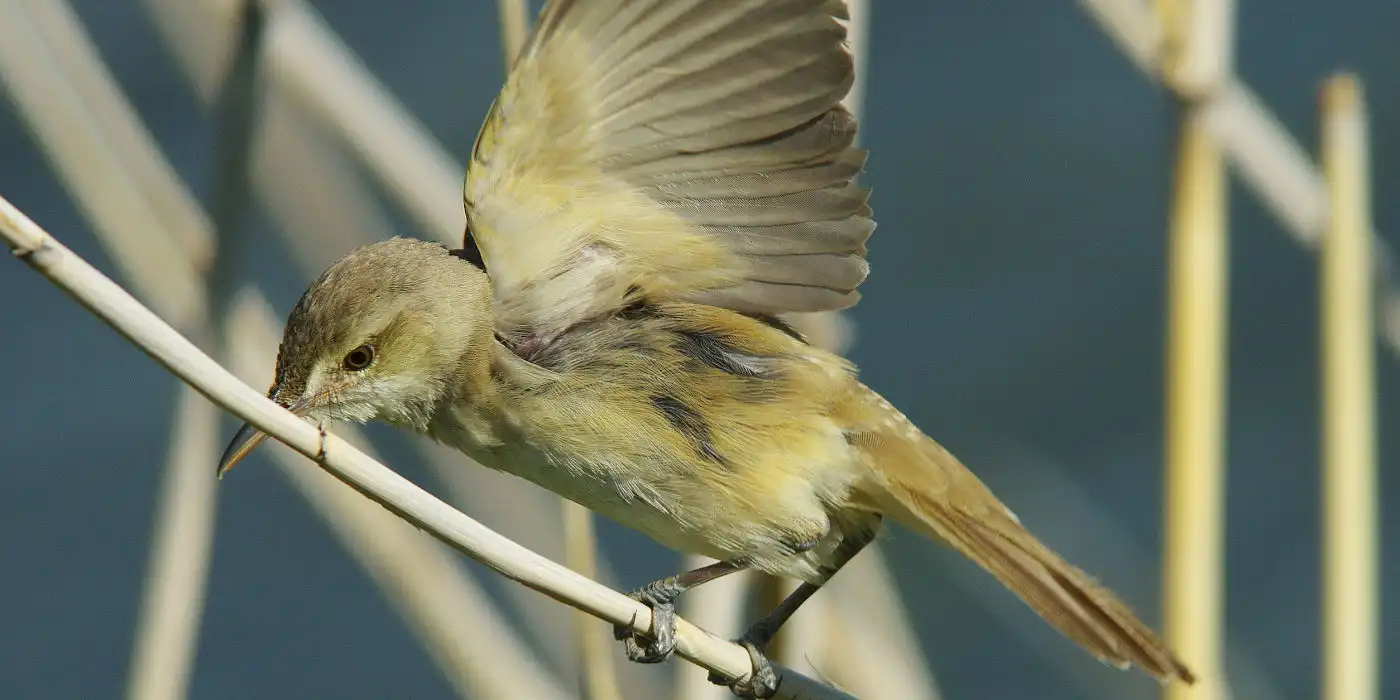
x,y
359,358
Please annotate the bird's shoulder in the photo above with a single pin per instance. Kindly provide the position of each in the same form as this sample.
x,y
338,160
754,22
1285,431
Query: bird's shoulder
x,y
669,342
670,392
675,370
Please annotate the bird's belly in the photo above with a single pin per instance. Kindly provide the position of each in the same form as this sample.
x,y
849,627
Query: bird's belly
x,y
764,505
615,491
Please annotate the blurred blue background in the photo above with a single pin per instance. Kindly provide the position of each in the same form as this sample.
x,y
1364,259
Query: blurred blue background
x,y
1015,311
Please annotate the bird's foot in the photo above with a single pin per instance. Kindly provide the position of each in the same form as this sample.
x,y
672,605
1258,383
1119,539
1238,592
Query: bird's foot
x,y
661,643
761,683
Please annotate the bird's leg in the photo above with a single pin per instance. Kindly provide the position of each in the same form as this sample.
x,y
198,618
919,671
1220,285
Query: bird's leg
x,y
763,682
660,597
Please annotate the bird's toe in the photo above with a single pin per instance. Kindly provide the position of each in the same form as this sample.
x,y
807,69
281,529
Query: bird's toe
x,y
761,683
660,644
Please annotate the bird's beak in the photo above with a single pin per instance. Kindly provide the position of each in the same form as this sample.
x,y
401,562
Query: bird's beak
x,y
248,437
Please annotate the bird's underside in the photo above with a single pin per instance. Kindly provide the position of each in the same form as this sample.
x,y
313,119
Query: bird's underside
x,y
722,434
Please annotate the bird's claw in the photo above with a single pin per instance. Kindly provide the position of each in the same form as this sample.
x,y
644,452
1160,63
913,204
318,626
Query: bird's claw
x,y
662,642
761,683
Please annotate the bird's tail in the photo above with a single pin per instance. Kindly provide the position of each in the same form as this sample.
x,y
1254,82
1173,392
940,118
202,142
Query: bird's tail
x,y
927,489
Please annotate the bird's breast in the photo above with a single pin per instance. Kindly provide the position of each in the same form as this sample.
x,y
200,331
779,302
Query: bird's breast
x,y
590,473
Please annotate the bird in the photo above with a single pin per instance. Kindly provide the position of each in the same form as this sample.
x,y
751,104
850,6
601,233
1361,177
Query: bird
x,y
659,185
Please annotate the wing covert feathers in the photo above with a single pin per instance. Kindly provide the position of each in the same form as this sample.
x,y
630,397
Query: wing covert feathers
x,y
672,148
927,489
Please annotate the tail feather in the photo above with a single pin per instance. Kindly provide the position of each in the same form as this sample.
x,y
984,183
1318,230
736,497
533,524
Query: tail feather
x,y
1065,596
927,489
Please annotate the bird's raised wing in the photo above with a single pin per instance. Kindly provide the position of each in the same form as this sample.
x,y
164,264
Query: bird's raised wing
x,y
663,149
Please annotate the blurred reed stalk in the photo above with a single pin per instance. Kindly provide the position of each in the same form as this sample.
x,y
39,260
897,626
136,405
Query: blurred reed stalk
x,y
1196,56
720,607
166,643
1351,608
515,27
157,234
596,651
1194,563
1266,157
85,126
1281,173
805,629
105,299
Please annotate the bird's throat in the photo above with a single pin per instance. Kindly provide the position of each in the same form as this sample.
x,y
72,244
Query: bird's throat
x,y
478,419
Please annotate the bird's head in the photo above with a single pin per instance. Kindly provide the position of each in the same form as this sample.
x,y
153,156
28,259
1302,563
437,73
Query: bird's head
x,y
386,333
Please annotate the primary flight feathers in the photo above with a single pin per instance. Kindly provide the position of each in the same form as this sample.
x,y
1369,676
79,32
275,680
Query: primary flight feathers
x,y
683,149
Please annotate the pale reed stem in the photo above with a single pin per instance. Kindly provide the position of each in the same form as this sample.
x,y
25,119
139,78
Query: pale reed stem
x,y
1196,59
1351,597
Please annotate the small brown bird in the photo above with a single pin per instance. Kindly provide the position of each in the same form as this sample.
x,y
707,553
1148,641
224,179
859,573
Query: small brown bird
x,y
657,183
